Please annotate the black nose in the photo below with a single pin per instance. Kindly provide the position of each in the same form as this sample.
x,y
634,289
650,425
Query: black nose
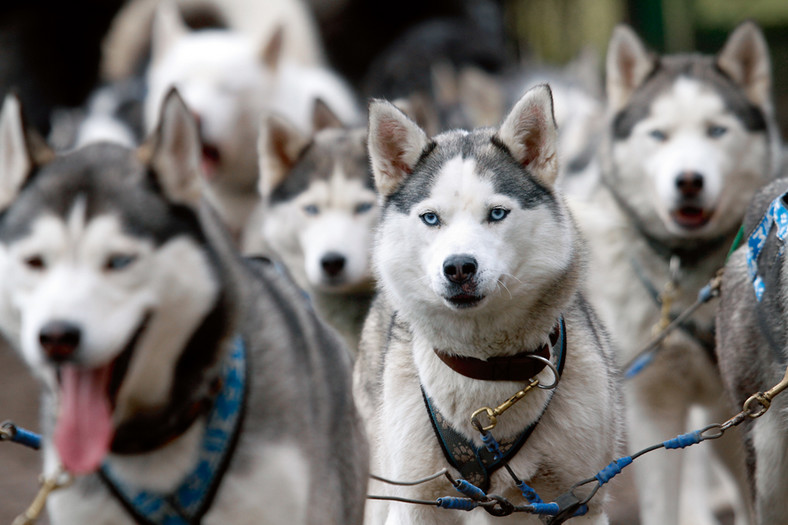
x,y
59,339
689,183
459,268
333,263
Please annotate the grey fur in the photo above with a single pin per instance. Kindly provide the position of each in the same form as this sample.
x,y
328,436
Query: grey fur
x,y
300,392
752,356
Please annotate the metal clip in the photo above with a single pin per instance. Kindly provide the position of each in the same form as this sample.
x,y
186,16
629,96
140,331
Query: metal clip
x,y
493,413
58,480
668,295
764,399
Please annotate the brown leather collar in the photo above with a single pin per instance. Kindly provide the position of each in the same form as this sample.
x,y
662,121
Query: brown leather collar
x,y
518,367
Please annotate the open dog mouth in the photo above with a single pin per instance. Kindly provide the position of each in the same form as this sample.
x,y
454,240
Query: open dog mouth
x,y
211,158
691,217
84,430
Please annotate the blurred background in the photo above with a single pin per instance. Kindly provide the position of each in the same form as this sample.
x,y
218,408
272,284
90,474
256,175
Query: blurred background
x,y
52,53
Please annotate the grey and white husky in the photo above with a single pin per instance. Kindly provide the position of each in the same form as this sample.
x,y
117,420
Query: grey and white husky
x,y
689,140
318,212
478,265
751,345
182,382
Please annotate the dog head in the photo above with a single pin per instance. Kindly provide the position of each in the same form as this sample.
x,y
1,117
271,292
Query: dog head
x,y
471,225
224,78
692,136
320,206
107,272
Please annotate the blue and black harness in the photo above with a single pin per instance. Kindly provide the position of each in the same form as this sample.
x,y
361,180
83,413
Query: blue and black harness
x,y
477,464
188,503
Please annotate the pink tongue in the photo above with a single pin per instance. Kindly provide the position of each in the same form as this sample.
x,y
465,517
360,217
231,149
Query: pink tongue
x,y
83,431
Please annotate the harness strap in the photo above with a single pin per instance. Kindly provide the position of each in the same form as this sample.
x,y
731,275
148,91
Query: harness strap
x,y
777,214
189,502
704,336
477,464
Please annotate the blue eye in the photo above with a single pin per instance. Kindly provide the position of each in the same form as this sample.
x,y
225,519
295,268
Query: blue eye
x,y
311,209
656,134
364,207
498,214
716,131
119,261
430,218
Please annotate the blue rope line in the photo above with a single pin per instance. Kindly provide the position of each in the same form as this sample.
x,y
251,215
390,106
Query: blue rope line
x,y
470,490
27,438
549,509
529,493
684,440
10,432
492,445
639,364
457,503
612,470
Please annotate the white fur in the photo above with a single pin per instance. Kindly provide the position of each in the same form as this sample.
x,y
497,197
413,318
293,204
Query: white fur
x,y
226,81
733,165
730,164
516,259
302,239
108,305
14,161
408,251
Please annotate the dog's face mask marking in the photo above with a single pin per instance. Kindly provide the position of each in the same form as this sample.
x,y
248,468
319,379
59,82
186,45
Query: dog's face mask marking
x,y
691,130
474,210
320,208
108,275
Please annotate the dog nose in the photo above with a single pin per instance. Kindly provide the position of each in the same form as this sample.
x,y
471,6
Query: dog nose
x,y
689,183
459,268
333,263
59,339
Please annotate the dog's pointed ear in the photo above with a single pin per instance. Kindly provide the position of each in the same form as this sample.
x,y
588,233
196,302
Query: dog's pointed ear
x,y
279,146
173,151
745,58
395,145
168,27
20,150
271,54
628,63
530,133
323,117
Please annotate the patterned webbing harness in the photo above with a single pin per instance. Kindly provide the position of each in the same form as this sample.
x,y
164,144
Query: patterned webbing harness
x,y
776,214
188,503
477,464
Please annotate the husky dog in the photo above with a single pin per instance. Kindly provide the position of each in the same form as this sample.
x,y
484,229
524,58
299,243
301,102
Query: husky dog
x,y
183,383
227,81
689,140
478,259
751,344
319,209
128,39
